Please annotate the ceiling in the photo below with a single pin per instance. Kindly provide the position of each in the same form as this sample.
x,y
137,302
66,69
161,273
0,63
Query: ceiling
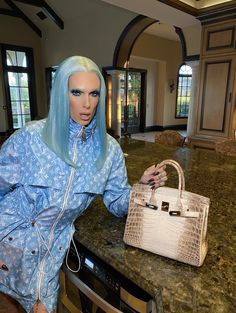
x,y
52,13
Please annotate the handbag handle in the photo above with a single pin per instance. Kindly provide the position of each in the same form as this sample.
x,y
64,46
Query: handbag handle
x,y
180,172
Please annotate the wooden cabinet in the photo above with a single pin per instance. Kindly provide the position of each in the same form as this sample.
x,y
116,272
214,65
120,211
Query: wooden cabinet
x,y
217,88
217,77
219,39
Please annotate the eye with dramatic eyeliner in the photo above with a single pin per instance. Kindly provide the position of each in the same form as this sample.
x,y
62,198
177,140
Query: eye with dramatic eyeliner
x,y
75,92
95,93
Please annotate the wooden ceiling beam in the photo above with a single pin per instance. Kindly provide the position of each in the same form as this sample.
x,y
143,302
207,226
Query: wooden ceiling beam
x,y
24,17
47,10
8,12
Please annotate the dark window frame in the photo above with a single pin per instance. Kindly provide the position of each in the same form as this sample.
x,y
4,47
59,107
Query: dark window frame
x,y
19,69
179,92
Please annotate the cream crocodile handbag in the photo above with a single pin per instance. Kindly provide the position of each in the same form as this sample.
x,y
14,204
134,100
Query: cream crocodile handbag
x,y
169,222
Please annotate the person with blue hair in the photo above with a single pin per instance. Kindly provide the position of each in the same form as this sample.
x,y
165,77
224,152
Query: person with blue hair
x,y
50,171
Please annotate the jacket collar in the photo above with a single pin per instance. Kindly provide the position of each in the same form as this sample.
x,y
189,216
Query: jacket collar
x,y
83,132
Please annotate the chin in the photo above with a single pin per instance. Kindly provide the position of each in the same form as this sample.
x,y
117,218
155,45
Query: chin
x,y
83,123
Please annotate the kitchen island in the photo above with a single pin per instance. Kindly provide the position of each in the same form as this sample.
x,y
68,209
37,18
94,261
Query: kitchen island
x,y
176,287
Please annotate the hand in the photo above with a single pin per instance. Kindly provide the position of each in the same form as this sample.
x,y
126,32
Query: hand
x,y
154,176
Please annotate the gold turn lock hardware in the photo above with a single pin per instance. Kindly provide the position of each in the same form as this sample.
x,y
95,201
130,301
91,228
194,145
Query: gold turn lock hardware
x,y
174,213
146,204
151,206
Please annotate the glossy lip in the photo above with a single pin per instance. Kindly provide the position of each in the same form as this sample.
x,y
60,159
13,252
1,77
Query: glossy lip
x,y
85,116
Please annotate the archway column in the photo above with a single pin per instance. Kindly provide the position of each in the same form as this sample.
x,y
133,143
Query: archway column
x,y
115,101
193,106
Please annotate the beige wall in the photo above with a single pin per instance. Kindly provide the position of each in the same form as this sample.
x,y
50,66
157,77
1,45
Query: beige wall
x,y
15,32
92,29
168,56
192,35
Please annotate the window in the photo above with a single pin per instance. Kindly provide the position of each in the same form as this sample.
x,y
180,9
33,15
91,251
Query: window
x,y
183,91
18,72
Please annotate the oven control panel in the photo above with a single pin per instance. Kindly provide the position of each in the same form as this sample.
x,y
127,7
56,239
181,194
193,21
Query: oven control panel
x,y
100,272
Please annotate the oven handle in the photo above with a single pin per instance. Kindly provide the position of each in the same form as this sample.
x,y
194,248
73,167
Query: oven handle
x,y
94,297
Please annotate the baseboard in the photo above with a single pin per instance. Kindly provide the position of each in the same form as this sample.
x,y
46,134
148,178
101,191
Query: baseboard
x,y
161,128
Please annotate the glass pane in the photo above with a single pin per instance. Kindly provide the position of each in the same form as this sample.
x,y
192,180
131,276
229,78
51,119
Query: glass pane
x,y
25,107
185,70
16,107
21,59
24,93
17,121
133,101
12,78
27,118
14,93
23,79
122,96
16,58
11,57
184,91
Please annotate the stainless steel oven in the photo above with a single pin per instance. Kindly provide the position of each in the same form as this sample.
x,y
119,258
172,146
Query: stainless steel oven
x,y
98,288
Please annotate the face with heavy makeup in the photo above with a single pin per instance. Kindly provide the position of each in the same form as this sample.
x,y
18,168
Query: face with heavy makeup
x,y
84,92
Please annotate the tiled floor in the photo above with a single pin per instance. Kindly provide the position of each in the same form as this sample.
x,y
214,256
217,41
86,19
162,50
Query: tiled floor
x,y
150,136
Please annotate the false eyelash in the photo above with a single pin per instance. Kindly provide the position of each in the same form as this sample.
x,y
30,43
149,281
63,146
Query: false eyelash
x,y
95,92
75,91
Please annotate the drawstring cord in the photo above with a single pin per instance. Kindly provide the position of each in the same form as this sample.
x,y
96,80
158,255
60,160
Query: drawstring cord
x,y
77,254
43,241
67,254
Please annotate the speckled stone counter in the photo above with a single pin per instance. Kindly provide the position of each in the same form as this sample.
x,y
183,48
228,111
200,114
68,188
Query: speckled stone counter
x,y
175,286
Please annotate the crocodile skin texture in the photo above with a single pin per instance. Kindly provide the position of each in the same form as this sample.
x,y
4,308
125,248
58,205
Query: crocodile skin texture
x,y
169,222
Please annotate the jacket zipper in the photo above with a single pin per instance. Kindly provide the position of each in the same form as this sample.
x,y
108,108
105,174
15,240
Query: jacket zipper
x,y
59,216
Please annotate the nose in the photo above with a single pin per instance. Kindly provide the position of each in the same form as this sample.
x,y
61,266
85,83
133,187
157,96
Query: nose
x,y
86,102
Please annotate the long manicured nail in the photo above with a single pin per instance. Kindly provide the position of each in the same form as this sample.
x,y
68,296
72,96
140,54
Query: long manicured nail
x,y
5,268
152,184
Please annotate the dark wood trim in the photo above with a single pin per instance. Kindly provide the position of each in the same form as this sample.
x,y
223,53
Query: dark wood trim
x,y
231,45
179,32
37,3
179,5
161,128
218,13
52,14
47,10
193,57
24,17
143,100
9,12
128,37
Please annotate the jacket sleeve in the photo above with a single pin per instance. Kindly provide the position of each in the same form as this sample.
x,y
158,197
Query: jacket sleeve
x,y
10,164
117,191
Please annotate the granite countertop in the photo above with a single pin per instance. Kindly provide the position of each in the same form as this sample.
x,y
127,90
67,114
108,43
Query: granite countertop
x,y
176,287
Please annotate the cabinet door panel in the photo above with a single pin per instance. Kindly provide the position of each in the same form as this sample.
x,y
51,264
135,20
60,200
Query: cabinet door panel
x,y
215,105
215,95
219,38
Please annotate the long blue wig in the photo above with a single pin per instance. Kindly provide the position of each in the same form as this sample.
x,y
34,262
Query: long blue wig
x,y
56,130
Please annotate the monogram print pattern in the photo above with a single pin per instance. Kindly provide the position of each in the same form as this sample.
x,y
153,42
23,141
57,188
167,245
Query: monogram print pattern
x,y
40,198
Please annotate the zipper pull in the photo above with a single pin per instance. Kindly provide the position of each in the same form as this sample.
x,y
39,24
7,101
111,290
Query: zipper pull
x,y
83,136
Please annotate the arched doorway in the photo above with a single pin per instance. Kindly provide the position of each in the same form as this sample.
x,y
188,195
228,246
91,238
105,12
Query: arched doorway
x,y
125,102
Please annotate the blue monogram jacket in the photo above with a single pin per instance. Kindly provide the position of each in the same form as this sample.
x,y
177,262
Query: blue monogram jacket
x,y
40,198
